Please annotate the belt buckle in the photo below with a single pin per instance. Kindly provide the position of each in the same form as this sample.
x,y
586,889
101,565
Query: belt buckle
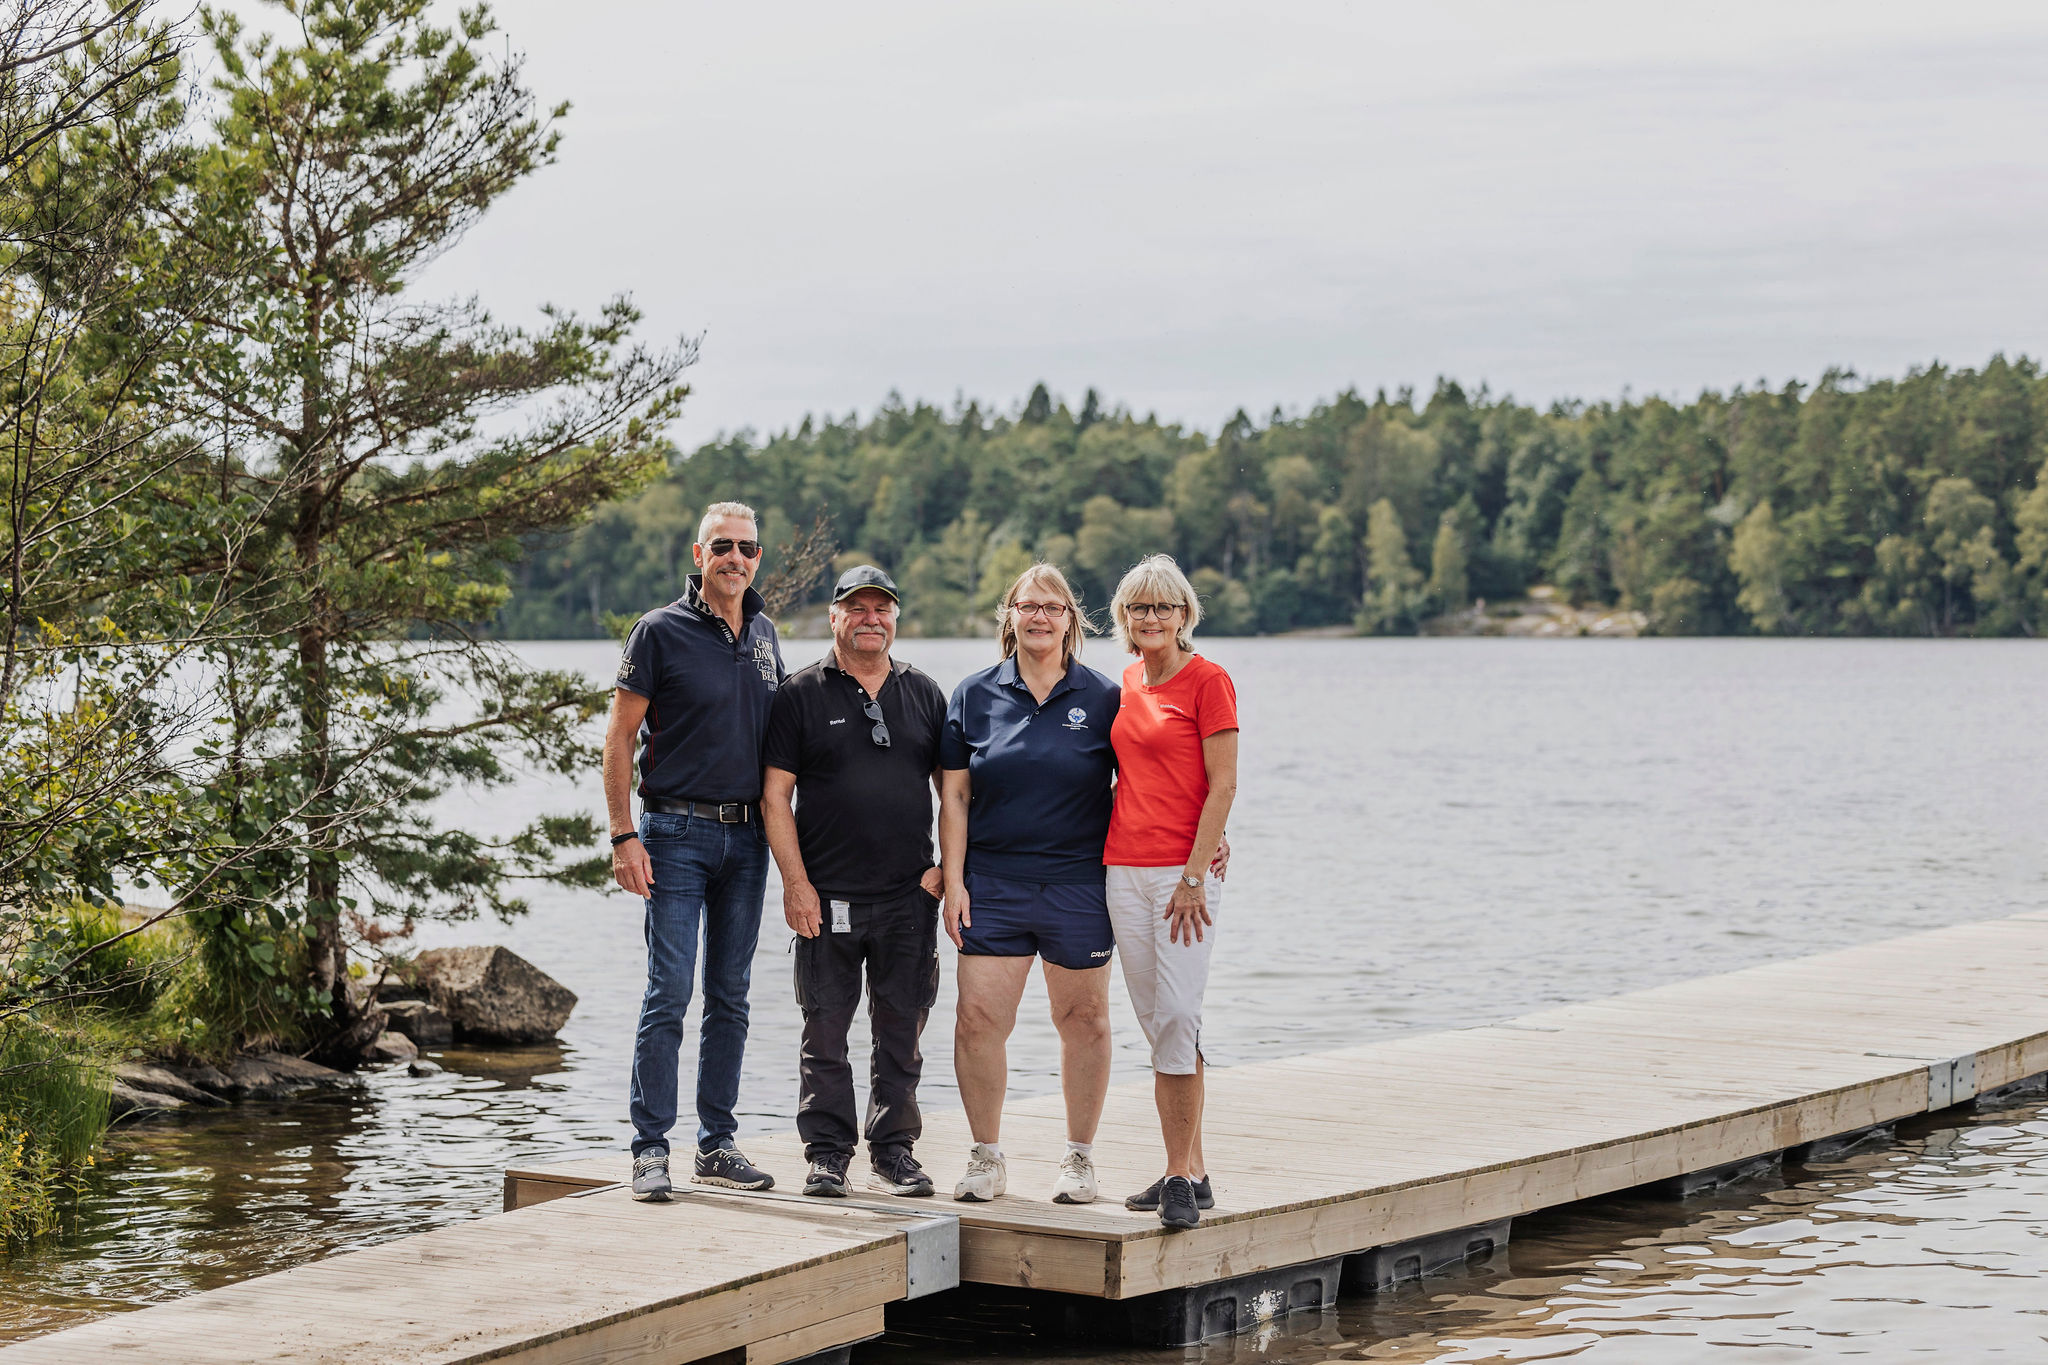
x,y
738,809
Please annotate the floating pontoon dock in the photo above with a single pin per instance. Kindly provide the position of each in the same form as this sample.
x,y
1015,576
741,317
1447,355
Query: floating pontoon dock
x,y
1358,1167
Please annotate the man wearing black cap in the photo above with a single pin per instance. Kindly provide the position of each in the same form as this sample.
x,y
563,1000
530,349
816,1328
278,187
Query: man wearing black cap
x,y
856,738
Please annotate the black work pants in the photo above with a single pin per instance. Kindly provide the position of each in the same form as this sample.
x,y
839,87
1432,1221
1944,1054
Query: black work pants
x,y
897,942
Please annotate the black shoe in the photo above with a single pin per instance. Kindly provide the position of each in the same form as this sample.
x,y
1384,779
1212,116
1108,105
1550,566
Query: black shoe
x,y
897,1172
828,1175
1177,1202
726,1166
1147,1199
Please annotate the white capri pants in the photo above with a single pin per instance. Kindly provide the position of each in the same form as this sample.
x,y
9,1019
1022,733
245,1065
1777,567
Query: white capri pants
x,y
1165,979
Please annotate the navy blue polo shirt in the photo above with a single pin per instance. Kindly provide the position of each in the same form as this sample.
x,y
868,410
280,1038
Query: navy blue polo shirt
x,y
708,696
1039,772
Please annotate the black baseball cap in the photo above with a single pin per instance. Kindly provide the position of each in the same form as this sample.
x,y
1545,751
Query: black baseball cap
x,y
865,576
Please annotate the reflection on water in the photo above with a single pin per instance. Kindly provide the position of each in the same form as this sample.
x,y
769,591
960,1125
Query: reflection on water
x,y
1931,1247
1429,834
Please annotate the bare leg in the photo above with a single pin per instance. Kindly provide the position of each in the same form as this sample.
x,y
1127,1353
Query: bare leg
x,y
990,988
1080,1011
1180,1118
1198,1163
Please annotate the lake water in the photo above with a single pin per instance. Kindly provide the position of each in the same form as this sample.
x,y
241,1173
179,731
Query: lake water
x,y
1429,834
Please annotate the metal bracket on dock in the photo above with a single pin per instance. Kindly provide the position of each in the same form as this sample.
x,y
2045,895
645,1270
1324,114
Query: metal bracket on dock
x,y
1950,1080
934,1254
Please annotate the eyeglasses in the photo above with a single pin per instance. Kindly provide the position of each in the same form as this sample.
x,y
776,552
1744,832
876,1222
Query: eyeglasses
x,y
1051,611
1145,611
872,709
725,545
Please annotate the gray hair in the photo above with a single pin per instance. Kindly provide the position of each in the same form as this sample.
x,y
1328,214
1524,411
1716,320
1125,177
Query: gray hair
x,y
1155,578
724,509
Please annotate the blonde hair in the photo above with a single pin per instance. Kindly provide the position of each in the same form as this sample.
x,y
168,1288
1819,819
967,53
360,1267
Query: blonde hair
x,y
724,509
1155,578
1006,612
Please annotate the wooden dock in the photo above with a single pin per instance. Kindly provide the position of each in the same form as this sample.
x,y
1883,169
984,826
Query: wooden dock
x,y
1350,1158
1417,1137
597,1278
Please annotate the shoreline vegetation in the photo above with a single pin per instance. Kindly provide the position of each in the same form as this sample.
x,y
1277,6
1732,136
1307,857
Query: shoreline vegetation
x,y
270,514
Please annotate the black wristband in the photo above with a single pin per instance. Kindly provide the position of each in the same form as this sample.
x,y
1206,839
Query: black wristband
x,y
618,839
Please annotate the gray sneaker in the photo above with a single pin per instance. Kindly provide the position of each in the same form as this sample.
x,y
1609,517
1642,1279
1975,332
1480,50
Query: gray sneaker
x,y
725,1166
650,1176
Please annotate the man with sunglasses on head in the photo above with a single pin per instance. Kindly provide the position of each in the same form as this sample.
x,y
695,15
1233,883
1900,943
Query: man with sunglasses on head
x,y
855,738
695,686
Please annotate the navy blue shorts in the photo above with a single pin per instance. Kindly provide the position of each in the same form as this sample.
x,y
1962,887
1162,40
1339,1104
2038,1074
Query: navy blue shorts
x,y
1066,923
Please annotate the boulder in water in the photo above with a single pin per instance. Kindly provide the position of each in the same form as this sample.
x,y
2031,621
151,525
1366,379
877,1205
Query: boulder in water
x,y
493,995
419,1021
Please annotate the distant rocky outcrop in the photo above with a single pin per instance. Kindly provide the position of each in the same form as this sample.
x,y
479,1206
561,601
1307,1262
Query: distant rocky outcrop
x,y
492,995
1541,613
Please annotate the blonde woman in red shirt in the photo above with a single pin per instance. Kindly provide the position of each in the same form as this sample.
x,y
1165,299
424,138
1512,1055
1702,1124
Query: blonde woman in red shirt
x,y
1176,750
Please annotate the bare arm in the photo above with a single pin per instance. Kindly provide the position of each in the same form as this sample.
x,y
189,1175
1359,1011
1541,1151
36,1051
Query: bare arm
x,y
954,791
1190,907
630,866
800,908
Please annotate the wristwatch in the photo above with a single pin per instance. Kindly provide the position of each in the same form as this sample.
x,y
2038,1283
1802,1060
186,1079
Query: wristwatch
x,y
1192,883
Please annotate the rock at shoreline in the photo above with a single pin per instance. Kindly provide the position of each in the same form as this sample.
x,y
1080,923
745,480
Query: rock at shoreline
x,y
272,1075
419,1021
208,1078
390,1048
346,1048
493,995
150,1079
125,1101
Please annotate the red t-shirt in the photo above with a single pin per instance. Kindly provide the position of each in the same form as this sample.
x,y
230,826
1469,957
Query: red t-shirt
x,y
1161,781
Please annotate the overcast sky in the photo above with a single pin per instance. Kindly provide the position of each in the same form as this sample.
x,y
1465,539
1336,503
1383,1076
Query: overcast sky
x,y
1198,207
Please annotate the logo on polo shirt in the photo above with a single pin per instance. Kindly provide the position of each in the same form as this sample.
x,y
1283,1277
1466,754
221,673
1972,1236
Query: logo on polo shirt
x,y
626,669
764,659
1077,719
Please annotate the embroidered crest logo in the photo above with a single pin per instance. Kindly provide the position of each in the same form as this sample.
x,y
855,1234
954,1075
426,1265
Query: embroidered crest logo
x,y
626,668
1077,719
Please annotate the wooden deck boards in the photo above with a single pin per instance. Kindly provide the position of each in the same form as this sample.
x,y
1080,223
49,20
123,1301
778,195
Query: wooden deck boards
x,y
1340,1151
578,1282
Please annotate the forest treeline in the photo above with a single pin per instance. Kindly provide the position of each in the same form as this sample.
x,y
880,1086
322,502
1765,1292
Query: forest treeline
x,y
1914,506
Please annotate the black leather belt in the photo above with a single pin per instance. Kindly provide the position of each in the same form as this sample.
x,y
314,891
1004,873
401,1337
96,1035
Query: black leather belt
x,y
724,812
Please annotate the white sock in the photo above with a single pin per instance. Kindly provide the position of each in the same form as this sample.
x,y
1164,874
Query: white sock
x,y
1086,1149
991,1149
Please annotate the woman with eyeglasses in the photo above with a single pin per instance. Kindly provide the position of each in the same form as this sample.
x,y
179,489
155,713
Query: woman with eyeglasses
x,y
1024,807
1176,751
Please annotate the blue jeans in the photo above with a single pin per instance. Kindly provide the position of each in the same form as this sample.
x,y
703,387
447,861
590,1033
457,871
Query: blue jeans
x,y
716,874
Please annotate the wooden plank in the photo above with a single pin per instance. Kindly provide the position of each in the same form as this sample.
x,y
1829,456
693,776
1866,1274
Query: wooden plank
x,y
822,1336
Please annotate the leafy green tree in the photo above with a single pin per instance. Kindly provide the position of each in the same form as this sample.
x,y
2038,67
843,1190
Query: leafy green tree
x,y
1447,564
1391,578
392,452
1758,556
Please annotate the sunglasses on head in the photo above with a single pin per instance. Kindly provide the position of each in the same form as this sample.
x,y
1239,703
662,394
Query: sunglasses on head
x,y
725,545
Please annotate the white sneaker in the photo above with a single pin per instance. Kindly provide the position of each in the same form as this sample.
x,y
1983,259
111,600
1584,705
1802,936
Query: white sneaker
x,y
986,1176
1076,1184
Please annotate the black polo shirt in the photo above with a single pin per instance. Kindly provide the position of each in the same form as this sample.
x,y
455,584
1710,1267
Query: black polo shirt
x,y
708,695
863,813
